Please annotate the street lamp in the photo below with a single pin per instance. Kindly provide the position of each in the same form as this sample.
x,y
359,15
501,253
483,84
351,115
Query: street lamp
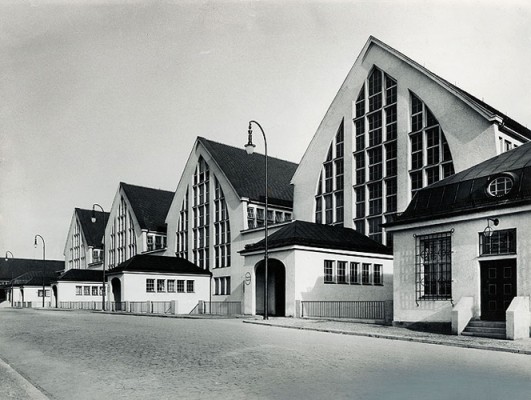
x,y
11,277
43,266
93,219
249,147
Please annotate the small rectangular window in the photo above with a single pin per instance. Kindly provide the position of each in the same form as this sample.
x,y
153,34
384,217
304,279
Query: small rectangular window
x,y
94,290
79,290
328,271
354,273
86,290
161,285
150,285
171,286
499,242
190,286
377,274
180,286
365,274
341,272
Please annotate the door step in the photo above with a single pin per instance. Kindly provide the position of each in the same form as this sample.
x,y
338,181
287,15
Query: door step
x,y
488,329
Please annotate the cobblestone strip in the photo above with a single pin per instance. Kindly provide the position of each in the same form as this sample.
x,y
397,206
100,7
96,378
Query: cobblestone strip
x,y
404,338
14,386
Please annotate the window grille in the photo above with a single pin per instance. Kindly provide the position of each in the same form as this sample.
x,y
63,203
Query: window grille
x,y
433,266
328,271
500,242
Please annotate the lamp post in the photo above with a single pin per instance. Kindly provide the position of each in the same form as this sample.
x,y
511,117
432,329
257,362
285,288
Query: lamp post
x,y
43,266
93,219
11,293
249,147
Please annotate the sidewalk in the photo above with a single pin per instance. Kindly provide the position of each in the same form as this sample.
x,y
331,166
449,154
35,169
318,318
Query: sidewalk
x,y
397,333
14,386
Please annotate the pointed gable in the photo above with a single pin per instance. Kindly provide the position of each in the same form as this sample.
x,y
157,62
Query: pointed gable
x,y
246,173
150,206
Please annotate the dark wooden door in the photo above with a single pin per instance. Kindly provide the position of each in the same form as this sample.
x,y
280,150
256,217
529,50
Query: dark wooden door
x,y
498,288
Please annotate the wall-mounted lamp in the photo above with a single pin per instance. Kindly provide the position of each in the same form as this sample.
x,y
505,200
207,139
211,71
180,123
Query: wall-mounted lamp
x,y
488,230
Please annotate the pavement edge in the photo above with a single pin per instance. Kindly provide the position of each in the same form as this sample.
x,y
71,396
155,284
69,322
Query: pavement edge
x,y
23,386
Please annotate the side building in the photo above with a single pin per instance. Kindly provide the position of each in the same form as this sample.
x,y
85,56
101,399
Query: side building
x,y
393,128
462,250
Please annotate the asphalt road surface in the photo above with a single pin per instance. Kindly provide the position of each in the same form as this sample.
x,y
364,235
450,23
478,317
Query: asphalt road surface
x,y
83,355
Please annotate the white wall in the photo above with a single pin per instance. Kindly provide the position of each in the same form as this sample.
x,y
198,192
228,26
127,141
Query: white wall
x,y
66,291
305,277
465,263
30,294
133,287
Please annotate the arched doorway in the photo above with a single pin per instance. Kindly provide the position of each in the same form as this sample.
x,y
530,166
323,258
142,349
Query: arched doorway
x,y
276,288
116,290
55,299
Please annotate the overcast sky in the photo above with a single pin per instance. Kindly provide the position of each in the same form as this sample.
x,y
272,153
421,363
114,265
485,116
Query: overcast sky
x,y
94,93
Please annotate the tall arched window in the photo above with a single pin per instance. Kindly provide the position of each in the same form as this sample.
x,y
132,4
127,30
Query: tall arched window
x,y
201,211
182,229
222,240
329,199
375,155
431,159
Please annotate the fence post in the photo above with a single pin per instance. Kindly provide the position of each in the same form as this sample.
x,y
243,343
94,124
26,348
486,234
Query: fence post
x,y
200,306
126,308
297,308
388,312
149,307
173,307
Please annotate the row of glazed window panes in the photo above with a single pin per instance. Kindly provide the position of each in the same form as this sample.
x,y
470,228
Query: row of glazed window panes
x,y
170,286
356,273
89,290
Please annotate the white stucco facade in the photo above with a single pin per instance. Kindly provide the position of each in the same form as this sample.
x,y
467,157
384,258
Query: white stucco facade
x,y
466,262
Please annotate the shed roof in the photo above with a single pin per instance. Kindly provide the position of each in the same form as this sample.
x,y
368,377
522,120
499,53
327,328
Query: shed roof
x,y
246,173
93,231
81,275
14,267
149,205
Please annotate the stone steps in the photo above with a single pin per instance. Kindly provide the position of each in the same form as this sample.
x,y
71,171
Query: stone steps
x,y
488,329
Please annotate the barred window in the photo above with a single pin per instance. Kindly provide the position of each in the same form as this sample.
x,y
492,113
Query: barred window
x,y
433,269
150,285
328,271
180,286
499,242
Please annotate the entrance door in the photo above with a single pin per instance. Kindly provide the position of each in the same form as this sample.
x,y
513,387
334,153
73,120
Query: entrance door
x,y
498,288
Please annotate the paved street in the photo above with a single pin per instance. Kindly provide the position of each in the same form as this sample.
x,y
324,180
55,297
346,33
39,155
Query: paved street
x,y
86,355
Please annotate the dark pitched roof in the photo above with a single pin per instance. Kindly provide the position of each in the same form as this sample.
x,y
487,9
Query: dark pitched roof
x,y
14,267
246,172
149,205
150,263
466,191
317,235
93,231
81,275
35,278
506,121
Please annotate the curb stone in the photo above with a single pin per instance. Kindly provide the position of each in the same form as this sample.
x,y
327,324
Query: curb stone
x,y
15,386
396,337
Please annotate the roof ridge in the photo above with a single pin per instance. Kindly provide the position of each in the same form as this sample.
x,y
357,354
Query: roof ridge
x,y
145,187
238,148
